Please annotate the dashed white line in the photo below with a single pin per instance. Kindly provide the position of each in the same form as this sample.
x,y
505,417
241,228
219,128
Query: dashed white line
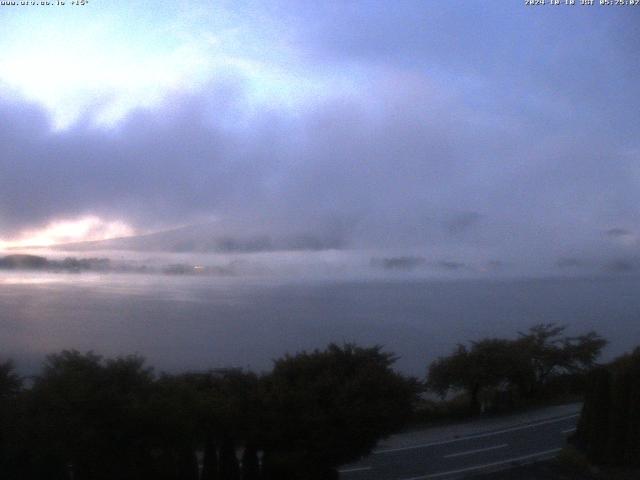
x,y
478,450
354,469
486,465
569,430
472,437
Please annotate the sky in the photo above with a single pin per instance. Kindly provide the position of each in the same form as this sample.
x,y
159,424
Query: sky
x,y
415,136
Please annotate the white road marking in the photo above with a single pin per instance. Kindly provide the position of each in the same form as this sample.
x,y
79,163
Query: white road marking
x,y
486,465
569,430
478,450
472,437
354,469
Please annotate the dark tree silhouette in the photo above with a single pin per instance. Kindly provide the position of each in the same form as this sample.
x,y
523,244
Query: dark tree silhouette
x,y
486,364
89,418
609,426
549,353
10,381
523,365
85,414
329,407
10,388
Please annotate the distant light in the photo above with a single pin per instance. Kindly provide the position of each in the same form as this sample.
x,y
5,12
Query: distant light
x,y
58,232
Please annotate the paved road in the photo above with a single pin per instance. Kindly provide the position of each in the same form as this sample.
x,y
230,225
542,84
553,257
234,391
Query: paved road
x,y
457,457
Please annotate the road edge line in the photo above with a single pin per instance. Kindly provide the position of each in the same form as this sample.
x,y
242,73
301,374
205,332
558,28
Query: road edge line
x,y
486,465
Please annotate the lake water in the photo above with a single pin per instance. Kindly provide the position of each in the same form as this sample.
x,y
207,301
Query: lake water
x,y
181,323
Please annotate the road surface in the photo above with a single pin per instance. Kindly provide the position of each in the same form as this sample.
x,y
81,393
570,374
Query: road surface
x,y
473,453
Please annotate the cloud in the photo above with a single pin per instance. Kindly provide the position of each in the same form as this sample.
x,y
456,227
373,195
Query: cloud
x,y
337,177
406,263
462,222
496,264
618,232
214,238
450,265
395,137
570,262
88,228
621,265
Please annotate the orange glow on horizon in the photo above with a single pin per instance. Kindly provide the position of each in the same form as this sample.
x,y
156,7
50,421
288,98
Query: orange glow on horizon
x,y
83,229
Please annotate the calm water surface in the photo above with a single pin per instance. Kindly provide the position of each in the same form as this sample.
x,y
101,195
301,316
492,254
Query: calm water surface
x,y
194,323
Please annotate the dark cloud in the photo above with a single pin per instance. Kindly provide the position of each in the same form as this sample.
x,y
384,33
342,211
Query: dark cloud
x,y
617,232
462,222
621,265
265,243
450,265
496,264
570,262
406,263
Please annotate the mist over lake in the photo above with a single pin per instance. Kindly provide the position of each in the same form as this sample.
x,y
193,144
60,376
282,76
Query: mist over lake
x,y
181,323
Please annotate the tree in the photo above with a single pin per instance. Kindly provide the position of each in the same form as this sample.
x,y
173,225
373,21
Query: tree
x,y
609,425
90,418
489,363
594,416
522,365
228,416
10,388
550,354
10,382
330,407
86,415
